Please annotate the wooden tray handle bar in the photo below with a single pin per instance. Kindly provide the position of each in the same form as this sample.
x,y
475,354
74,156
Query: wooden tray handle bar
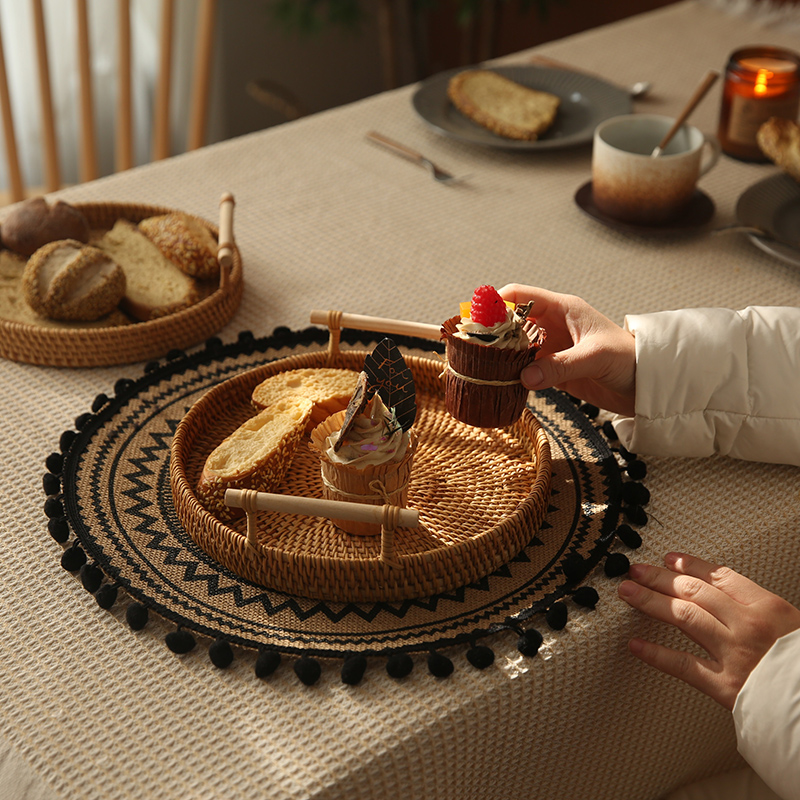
x,y
225,246
400,327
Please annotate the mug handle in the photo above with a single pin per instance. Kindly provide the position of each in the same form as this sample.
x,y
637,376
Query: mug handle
x,y
712,154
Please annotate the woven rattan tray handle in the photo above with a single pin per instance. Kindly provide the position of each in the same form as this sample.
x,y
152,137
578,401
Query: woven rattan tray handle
x,y
387,516
225,242
336,320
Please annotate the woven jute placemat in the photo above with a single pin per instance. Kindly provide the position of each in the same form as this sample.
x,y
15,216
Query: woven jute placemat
x,y
112,508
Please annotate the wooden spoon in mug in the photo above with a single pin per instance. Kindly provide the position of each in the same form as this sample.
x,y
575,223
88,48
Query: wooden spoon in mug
x,y
698,95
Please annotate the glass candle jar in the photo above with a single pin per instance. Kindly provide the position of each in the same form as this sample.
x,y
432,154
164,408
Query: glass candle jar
x,y
760,82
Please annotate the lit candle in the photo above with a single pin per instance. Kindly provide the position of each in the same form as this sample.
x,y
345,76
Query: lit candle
x,y
760,82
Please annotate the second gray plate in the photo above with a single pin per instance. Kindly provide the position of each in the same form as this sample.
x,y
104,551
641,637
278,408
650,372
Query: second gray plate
x,y
585,102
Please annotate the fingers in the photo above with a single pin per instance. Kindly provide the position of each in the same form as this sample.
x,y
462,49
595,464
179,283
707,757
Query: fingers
x,y
703,675
734,585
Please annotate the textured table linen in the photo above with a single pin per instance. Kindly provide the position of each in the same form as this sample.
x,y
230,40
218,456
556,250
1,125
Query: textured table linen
x,y
324,219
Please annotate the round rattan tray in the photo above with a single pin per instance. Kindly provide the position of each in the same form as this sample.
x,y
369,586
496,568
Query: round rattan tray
x,y
141,341
481,495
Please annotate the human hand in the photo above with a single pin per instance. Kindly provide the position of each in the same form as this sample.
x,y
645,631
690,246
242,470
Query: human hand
x,y
585,353
733,619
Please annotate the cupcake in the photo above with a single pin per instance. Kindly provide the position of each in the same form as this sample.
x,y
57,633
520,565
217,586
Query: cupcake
x,y
367,450
487,347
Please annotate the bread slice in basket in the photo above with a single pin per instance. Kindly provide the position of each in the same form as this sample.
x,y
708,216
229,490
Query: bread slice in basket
x,y
257,455
505,107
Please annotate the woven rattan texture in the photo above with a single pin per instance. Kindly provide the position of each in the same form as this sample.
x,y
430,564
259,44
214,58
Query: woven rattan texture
x,y
469,527
326,220
97,347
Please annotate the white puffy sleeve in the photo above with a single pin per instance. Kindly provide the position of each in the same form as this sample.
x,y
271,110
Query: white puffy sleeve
x,y
715,380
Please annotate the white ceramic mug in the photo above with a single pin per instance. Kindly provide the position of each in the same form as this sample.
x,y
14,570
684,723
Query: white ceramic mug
x,y
630,185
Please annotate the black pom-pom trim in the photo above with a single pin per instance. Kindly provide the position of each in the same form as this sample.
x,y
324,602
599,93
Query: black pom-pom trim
x,y
180,641
58,529
91,577
635,514
175,354
267,662
480,656
213,345
353,669
574,567
151,366
53,507
556,616
73,558
637,469
106,596
626,454
529,642
65,440
55,463
83,420
616,564
399,665
99,402
51,483
282,332
122,386
439,666
586,597
590,410
629,537
220,653
308,670
608,430
136,615
635,494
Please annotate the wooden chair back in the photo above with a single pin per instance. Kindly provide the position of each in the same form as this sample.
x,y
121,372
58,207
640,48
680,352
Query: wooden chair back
x,y
203,48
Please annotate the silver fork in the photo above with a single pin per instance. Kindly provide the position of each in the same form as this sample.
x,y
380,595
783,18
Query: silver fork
x,y
437,173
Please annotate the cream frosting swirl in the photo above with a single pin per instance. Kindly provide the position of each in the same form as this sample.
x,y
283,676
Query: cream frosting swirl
x,y
509,334
375,438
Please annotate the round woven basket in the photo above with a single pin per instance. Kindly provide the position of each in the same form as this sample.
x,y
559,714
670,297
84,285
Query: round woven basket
x,y
140,341
481,495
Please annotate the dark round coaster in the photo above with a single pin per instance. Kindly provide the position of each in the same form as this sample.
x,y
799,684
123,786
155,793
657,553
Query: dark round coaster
x,y
117,499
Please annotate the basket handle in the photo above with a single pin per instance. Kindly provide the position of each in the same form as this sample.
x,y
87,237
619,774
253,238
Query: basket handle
x,y
389,517
336,320
225,242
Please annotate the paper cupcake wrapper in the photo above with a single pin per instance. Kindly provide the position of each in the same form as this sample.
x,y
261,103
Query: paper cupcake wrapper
x,y
482,383
375,484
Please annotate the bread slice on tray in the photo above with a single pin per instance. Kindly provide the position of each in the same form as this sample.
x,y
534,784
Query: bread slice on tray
x,y
185,241
257,455
155,287
779,140
505,107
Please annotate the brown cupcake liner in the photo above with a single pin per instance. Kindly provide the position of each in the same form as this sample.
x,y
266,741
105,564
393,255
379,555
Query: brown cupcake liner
x,y
482,383
375,484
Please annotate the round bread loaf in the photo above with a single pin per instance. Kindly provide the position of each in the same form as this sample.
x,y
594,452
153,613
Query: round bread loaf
x,y
34,223
67,280
184,241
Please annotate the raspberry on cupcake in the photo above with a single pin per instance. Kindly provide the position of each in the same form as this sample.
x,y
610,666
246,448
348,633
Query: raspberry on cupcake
x,y
487,347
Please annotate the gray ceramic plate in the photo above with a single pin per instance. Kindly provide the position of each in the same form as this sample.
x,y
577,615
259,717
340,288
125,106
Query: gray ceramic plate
x,y
585,102
773,204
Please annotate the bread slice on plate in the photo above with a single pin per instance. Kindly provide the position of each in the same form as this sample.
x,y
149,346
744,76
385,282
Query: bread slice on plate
x,y
779,140
505,107
154,287
257,455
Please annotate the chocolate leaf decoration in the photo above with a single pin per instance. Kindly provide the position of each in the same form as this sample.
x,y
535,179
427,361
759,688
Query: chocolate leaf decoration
x,y
358,402
388,374
523,311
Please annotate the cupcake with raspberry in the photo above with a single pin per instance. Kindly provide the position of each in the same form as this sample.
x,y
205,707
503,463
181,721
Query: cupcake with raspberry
x,y
487,347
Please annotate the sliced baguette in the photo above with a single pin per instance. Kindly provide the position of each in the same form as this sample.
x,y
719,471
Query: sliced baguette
x,y
257,455
155,287
779,140
329,390
505,107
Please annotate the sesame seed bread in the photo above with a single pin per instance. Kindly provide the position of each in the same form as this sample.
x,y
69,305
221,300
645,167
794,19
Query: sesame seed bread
x,y
155,287
779,140
256,455
503,106
329,390
67,280
185,241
